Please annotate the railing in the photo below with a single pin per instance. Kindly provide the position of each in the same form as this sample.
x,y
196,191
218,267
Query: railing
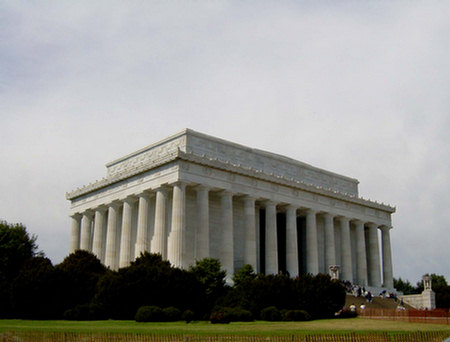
x,y
437,316
39,336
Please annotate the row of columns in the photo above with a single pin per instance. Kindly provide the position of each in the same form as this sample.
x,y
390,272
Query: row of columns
x,y
171,246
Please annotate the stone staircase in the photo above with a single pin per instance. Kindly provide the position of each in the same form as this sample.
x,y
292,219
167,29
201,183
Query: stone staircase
x,y
377,302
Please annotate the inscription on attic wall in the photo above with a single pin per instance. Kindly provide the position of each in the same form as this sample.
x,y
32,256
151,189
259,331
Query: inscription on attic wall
x,y
145,157
299,172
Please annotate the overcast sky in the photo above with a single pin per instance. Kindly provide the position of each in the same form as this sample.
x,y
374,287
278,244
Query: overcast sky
x,y
358,88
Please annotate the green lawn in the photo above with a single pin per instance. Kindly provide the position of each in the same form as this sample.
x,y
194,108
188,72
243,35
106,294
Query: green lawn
x,y
335,326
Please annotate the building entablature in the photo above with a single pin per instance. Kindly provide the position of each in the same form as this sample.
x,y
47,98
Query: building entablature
x,y
252,175
260,187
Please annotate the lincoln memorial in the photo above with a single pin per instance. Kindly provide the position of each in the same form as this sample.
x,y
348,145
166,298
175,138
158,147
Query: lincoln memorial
x,y
192,196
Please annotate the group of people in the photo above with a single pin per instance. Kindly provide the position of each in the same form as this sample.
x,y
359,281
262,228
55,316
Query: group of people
x,y
359,291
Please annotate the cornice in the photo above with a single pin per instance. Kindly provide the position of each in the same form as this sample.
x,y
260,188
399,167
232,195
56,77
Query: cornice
x,y
227,166
239,169
104,182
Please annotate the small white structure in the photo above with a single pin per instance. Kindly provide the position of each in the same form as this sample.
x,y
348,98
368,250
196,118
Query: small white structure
x,y
192,196
425,300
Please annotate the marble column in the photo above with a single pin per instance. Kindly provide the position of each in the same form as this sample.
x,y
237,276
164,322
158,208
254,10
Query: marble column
x,y
250,256
330,251
227,243
159,241
98,247
202,234
142,225
176,238
361,258
388,280
312,249
112,236
75,233
291,241
125,241
271,238
374,257
86,231
346,251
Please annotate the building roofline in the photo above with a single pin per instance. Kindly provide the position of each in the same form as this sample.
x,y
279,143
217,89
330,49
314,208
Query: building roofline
x,y
188,131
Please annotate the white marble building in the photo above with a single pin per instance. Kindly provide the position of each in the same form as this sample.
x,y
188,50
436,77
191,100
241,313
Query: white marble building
x,y
192,196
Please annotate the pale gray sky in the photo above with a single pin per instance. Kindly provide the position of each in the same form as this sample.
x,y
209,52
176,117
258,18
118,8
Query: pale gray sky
x,y
358,88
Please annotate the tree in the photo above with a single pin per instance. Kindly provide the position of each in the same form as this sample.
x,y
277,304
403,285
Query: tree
x,y
244,275
148,281
35,291
16,246
79,274
404,286
208,272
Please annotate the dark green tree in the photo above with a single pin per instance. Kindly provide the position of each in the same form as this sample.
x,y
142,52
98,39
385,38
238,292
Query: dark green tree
x,y
35,291
244,275
404,286
16,247
78,275
148,281
208,272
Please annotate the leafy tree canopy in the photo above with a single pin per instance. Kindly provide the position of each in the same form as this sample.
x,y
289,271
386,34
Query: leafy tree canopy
x,y
79,274
404,286
16,246
243,275
208,272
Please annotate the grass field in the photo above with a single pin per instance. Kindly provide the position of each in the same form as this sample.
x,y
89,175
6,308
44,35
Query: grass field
x,y
336,326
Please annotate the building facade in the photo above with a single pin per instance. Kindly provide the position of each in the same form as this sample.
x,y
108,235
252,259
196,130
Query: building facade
x,y
192,196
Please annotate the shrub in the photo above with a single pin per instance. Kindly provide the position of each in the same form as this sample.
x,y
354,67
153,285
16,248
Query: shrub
x,y
85,312
346,313
270,313
240,315
220,315
296,315
171,314
149,314
187,316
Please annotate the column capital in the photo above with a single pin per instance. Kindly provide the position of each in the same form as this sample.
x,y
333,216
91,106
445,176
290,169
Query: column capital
x,y
76,216
372,225
101,208
385,228
310,211
343,219
202,187
89,213
358,222
249,198
291,207
179,183
146,194
163,188
328,215
129,200
270,203
114,204
225,192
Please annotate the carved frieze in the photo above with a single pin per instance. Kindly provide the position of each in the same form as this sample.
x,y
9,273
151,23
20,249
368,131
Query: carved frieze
x,y
152,154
